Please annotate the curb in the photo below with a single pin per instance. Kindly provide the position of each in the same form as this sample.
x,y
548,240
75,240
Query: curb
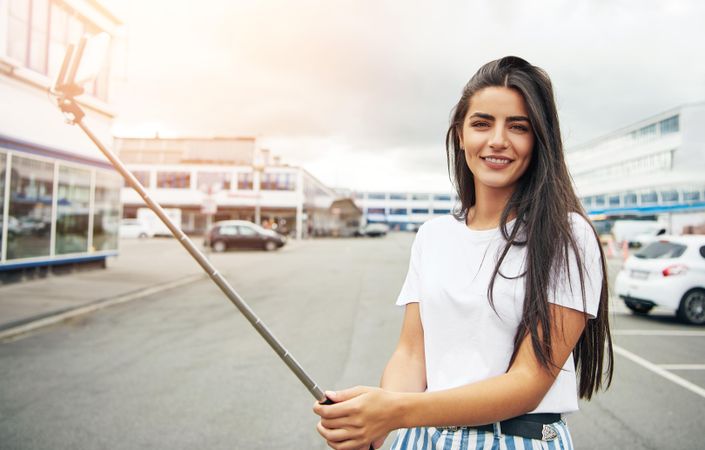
x,y
25,326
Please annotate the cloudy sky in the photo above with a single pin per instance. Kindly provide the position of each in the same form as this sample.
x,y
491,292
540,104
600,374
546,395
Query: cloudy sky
x,y
359,92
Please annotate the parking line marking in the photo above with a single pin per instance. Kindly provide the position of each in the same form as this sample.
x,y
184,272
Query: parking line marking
x,y
682,366
693,333
659,371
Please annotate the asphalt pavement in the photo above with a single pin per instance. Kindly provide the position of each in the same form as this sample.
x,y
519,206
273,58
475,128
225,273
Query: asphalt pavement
x,y
168,363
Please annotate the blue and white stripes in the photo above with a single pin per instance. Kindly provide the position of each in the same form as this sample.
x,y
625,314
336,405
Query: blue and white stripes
x,y
429,438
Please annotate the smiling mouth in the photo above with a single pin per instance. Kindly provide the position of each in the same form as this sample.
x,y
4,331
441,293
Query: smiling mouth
x,y
496,160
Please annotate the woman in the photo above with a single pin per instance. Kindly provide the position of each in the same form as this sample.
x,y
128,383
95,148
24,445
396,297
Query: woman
x,y
506,317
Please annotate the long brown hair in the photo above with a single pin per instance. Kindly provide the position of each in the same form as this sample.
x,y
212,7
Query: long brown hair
x,y
542,202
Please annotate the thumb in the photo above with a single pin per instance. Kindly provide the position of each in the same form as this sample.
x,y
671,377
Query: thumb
x,y
346,394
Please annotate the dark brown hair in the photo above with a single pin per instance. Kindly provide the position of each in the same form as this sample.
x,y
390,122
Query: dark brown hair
x,y
542,201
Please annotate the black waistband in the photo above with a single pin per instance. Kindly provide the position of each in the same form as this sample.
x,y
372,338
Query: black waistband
x,y
531,426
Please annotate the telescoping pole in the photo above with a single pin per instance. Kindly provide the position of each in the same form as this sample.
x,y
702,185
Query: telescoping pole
x,y
212,272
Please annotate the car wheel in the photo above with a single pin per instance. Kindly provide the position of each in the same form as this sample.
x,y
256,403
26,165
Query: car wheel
x,y
639,308
219,246
270,246
692,307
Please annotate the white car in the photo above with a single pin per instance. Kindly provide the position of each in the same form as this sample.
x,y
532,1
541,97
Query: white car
x,y
669,273
134,228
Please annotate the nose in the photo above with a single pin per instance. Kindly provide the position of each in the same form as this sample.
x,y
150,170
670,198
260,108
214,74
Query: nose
x,y
498,141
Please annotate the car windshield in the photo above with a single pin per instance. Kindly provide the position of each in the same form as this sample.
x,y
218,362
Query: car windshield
x,y
661,250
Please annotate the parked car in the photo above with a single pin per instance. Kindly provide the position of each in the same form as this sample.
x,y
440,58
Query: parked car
x,y
669,273
228,234
135,228
373,230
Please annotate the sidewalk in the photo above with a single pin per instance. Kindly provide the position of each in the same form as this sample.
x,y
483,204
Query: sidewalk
x,y
137,271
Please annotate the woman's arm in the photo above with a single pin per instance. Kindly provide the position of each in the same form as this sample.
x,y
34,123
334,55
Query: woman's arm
x,y
406,369
368,412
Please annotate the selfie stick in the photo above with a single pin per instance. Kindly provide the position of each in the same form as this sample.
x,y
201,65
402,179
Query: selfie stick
x,y
65,89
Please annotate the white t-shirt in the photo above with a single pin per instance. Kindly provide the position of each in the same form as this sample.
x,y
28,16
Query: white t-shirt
x,y
465,340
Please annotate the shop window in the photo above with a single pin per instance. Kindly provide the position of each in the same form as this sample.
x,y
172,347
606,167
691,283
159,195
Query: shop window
x,y
630,199
106,212
142,176
397,211
649,198
29,218
73,204
214,180
244,181
173,180
278,182
688,196
670,196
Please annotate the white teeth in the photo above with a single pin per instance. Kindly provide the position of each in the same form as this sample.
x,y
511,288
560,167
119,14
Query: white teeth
x,y
497,161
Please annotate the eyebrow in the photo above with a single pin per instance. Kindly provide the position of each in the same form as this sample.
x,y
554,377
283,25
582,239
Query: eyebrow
x,y
482,115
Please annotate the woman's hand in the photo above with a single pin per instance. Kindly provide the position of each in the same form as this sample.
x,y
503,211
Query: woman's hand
x,y
360,416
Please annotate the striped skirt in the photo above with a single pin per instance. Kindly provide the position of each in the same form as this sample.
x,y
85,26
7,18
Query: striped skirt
x,y
429,438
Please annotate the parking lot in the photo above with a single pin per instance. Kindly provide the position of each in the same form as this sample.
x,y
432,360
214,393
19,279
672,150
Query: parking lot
x,y
182,369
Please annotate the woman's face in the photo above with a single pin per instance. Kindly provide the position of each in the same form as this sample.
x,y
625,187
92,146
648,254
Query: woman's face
x,y
497,138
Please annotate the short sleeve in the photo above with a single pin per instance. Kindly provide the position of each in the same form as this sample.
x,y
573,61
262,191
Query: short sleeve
x,y
568,288
410,290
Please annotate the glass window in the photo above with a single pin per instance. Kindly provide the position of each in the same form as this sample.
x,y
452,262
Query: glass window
x,y
174,180
419,210
29,220
629,199
670,196
397,196
441,211
688,196
423,197
359,195
376,196
398,211
278,182
39,36
599,201
614,200
442,197
142,176
669,125
247,231
18,30
73,200
661,249
375,211
227,230
244,181
649,198
106,212
587,201
214,180
3,168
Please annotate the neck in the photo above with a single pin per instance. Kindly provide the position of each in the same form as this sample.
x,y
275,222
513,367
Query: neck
x,y
489,204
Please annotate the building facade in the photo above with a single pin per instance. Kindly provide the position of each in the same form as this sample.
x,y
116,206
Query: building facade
x,y
404,210
211,179
59,199
650,168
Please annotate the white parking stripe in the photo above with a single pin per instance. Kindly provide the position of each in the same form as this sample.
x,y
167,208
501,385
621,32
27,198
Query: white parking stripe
x,y
682,366
692,333
659,371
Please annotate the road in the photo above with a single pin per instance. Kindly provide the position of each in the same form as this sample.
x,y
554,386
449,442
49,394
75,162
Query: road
x,y
183,369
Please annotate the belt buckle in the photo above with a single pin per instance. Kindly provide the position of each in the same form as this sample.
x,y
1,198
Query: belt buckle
x,y
452,428
548,433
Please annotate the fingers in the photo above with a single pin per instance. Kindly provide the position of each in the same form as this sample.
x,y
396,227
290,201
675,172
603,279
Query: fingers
x,y
342,438
346,394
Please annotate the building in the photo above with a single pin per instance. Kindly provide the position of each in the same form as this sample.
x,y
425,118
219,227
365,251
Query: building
x,y
404,210
223,178
59,199
652,168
